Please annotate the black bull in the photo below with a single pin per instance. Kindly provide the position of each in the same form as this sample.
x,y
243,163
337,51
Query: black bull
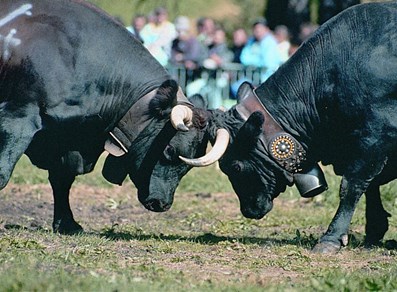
x,y
336,102
69,76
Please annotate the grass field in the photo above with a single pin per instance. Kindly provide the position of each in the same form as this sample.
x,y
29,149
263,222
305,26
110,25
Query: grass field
x,y
202,244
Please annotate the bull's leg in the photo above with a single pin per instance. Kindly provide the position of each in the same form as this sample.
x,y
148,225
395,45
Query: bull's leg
x,y
61,181
354,183
376,216
17,129
336,234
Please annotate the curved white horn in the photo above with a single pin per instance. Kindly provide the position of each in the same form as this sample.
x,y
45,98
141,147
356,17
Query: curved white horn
x,y
219,148
181,117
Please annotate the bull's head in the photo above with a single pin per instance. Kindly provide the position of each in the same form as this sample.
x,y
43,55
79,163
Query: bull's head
x,y
254,177
161,170
152,162
261,159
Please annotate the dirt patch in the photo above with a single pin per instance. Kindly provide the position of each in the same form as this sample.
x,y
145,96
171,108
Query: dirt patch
x,y
32,206
99,210
203,237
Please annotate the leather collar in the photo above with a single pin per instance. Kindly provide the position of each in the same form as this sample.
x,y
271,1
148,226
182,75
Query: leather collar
x,y
133,123
282,146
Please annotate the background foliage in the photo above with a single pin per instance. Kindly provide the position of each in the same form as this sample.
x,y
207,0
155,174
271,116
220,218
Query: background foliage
x,y
230,13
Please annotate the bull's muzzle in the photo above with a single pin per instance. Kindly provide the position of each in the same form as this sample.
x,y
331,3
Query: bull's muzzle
x,y
156,203
256,210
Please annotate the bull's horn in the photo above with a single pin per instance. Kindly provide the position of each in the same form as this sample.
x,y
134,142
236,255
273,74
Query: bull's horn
x,y
219,148
181,117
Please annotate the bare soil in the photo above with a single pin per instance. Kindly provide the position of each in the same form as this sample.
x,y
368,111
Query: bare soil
x,y
31,207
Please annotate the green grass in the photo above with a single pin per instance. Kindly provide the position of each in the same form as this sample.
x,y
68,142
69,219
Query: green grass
x,y
202,244
202,178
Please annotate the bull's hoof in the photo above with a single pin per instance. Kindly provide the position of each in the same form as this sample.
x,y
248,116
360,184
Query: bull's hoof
x,y
326,247
368,243
67,227
391,244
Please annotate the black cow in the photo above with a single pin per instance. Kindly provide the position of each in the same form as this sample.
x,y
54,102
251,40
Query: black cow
x,y
334,101
73,82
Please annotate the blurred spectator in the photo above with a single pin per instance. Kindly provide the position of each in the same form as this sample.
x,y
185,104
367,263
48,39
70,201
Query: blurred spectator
x,y
330,8
261,49
151,17
295,44
205,30
281,34
240,38
186,49
218,52
306,31
137,24
158,36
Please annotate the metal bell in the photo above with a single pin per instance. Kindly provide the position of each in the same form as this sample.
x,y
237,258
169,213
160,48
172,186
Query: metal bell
x,y
310,183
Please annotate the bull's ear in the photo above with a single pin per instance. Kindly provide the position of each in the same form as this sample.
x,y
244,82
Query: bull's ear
x,y
199,101
244,90
249,133
160,106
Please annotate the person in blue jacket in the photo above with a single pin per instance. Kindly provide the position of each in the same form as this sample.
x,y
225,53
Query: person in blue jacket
x,y
261,49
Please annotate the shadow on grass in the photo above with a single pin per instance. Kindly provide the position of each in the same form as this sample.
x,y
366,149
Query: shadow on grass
x,y
210,239
305,241
300,240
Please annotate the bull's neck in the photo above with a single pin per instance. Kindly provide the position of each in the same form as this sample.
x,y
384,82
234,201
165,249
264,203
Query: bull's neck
x,y
281,145
124,90
290,101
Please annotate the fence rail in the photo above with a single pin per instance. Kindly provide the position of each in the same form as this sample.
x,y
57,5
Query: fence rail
x,y
218,86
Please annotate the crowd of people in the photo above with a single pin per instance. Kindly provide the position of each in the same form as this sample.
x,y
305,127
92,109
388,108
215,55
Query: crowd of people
x,y
204,44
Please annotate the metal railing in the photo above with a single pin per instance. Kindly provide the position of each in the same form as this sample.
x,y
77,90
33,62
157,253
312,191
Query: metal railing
x,y
218,86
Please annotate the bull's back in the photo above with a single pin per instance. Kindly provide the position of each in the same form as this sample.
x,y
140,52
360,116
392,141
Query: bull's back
x,y
71,58
72,29
364,57
349,62
361,43
342,83
357,98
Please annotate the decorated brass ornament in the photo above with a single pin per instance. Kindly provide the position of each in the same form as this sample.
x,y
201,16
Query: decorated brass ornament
x,y
282,147
286,151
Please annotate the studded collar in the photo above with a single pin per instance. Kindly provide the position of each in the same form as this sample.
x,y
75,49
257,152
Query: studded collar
x,y
282,146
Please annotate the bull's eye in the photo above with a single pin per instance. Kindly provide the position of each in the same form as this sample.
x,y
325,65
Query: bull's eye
x,y
170,153
237,166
